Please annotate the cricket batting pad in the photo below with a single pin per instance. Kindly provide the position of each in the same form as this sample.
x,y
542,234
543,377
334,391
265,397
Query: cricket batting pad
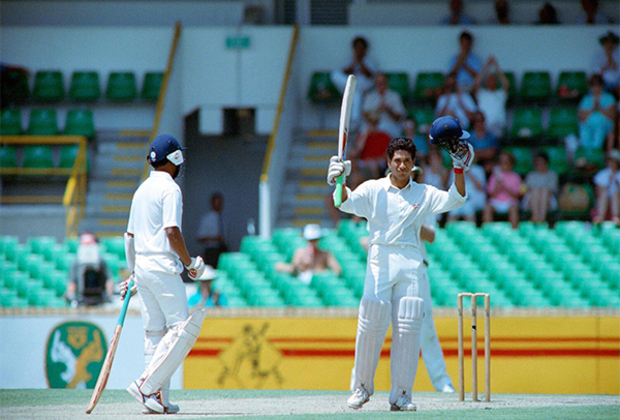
x,y
406,346
372,324
151,341
176,345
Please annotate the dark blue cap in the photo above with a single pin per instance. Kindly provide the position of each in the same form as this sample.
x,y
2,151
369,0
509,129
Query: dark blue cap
x,y
162,146
446,128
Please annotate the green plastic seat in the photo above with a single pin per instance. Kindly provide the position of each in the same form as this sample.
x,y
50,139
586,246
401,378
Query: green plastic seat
x,y
114,245
526,124
595,157
39,244
8,157
426,85
574,82
39,156
536,86
11,122
84,86
151,85
423,118
7,296
14,89
399,83
523,158
512,90
557,158
6,242
43,122
68,153
322,90
563,122
48,86
80,122
121,87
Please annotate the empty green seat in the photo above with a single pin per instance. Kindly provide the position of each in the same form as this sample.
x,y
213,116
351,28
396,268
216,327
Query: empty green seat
x,y
512,90
536,86
43,122
68,153
48,86
423,118
595,157
11,122
8,157
14,89
572,85
427,85
322,90
40,244
85,86
399,83
557,158
80,122
523,158
121,86
527,124
39,156
563,122
152,85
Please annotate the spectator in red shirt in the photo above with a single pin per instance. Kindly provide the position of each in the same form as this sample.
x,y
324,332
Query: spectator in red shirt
x,y
368,152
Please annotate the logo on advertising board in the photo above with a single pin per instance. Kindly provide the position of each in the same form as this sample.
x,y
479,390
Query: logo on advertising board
x,y
74,355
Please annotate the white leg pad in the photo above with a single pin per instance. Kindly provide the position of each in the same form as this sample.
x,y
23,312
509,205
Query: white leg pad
x,y
171,352
373,322
406,347
151,341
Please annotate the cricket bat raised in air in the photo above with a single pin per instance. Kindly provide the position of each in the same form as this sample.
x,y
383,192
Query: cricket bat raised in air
x,y
343,131
109,358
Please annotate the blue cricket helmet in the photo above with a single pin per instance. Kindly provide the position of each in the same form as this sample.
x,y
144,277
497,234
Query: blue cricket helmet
x,y
445,130
165,147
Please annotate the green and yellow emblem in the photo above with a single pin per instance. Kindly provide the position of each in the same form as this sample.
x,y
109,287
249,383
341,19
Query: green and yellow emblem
x,y
74,355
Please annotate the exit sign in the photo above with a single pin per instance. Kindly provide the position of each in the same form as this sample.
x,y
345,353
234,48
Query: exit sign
x,y
237,42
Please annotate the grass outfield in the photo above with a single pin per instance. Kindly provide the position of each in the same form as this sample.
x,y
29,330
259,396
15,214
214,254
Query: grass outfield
x,y
199,404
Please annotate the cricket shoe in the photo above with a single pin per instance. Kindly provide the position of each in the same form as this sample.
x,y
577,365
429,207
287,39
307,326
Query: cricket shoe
x,y
448,388
151,402
403,403
359,397
169,409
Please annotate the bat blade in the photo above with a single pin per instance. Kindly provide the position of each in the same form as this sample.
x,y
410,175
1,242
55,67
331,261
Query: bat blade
x,y
343,131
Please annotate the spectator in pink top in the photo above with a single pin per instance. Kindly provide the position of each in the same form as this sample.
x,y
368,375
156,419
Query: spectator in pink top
x,y
504,191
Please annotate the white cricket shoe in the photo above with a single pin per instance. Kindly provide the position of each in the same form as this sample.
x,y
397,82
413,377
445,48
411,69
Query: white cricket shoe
x,y
448,388
169,409
359,397
403,403
151,402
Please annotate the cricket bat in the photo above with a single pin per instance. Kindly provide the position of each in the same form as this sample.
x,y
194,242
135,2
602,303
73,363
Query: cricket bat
x,y
109,358
343,131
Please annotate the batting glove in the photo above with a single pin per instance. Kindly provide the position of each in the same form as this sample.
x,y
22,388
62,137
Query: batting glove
x,y
125,284
337,168
463,157
195,268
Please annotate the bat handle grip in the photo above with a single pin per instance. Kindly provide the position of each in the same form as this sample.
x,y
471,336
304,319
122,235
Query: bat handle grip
x,y
121,317
338,197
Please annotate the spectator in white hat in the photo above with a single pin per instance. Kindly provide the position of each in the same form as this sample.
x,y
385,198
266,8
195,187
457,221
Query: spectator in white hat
x,y
206,295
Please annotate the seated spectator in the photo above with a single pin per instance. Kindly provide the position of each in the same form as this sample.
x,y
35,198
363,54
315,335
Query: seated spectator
x,y
596,115
547,15
368,152
457,17
485,143
310,259
364,70
504,191
386,104
542,189
206,296
465,65
435,173
607,183
456,103
591,15
502,13
607,61
492,98
90,279
421,143
475,185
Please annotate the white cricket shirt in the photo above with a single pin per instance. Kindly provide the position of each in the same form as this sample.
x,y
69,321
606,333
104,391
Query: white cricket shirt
x,y
395,215
157,204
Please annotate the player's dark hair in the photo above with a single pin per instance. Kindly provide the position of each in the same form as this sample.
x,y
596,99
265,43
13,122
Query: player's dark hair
x,y
360,39
401,143
544,156
158,164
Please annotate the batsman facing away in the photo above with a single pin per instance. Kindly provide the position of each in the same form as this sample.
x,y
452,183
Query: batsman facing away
x,y
395,208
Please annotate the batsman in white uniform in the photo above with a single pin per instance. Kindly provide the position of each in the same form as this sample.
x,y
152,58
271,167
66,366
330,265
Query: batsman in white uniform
x,y
156,254
395,208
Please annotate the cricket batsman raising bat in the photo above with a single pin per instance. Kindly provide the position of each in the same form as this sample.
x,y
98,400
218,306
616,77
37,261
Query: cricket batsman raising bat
x,y
343,133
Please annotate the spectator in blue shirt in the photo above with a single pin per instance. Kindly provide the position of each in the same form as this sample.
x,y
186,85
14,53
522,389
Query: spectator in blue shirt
x,y
465,65
596,115
485,143
206,296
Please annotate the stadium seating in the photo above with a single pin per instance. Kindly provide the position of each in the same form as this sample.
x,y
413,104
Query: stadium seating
x,y
80,122
121,87
512,90
14,87
84,86
48,86
562,122
426,84
38,156
527,124
535,86
11,122
151,85
399,83
43,122
8,157
523,159
423,117
572,81
322,90
557,158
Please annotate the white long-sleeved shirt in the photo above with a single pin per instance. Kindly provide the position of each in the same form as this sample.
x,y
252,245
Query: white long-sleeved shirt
x,y
395,215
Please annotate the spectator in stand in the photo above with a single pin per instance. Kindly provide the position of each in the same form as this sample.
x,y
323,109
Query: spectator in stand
x,y
457,17
485,143
591,15
542,186
504,191
547,15
596,115
607,61
206,296
607,182
435,173
364,70
385,103
491,97
421,143
310,259
455,102
465,65
475,185
368,152
502,13
211,232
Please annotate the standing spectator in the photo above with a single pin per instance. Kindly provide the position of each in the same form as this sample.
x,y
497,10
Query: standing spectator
x,y
607,183
485,143
455,102
591,15
607,61
475,184
504,190
491,97
465,65
368,152
211,232
421,143
502,13
457,17
385,103
435,174
596,115
542,188
364,70
206,296
547,15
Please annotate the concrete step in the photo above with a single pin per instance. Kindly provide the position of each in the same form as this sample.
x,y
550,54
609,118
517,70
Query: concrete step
x,y
120,186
